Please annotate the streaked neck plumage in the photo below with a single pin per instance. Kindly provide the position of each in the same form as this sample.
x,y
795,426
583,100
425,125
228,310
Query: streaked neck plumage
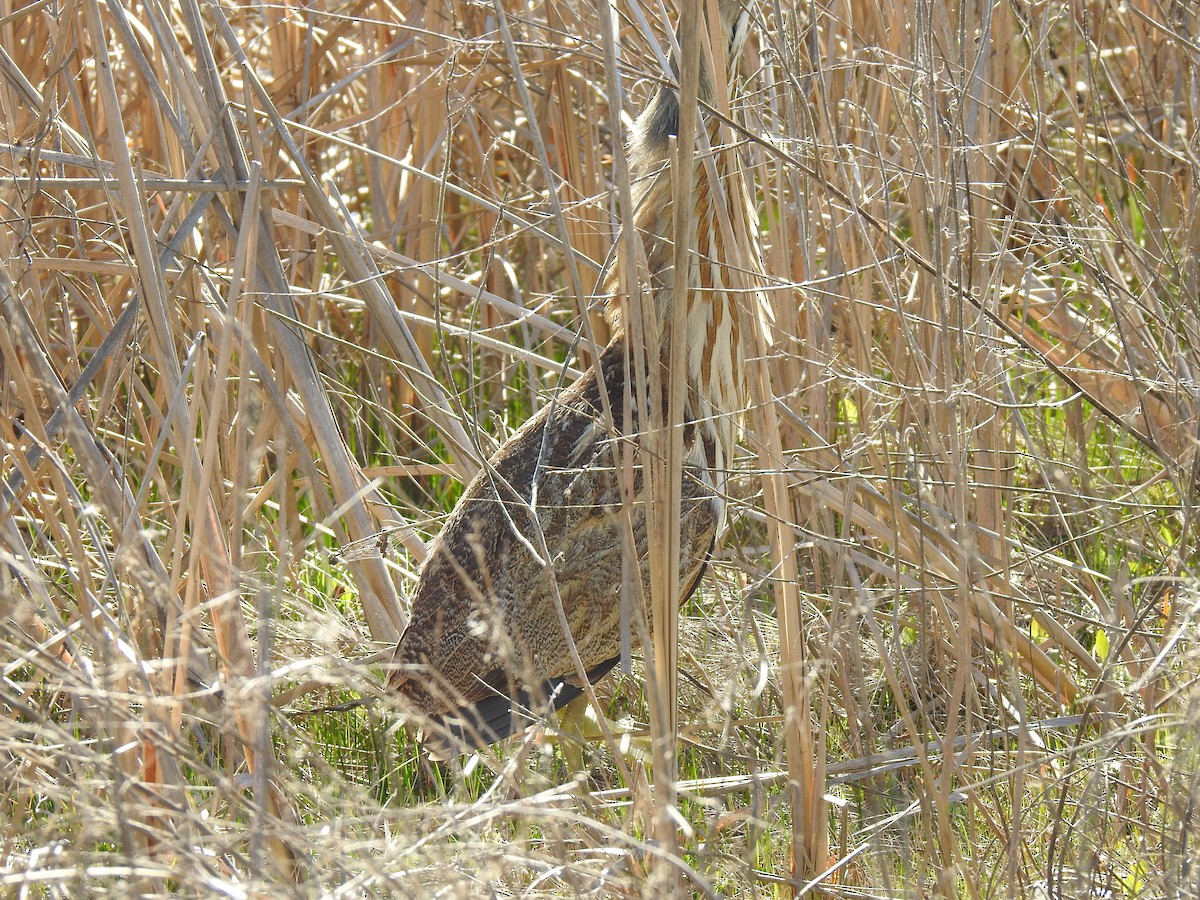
x,y
715,364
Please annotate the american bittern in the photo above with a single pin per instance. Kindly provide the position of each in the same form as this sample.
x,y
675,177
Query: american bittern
x,y
542,523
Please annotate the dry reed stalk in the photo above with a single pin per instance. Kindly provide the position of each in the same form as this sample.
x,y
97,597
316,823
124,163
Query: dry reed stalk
x,y
662,452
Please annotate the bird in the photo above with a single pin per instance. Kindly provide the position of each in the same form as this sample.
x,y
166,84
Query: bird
x,y
537,536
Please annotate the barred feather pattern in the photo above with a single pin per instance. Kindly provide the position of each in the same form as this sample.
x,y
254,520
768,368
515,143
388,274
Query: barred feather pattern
x,y
538,536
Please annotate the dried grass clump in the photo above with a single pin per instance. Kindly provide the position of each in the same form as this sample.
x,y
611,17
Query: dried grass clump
x,y
276,278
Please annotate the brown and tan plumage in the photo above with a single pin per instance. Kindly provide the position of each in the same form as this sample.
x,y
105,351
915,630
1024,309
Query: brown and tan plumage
x,y
540,524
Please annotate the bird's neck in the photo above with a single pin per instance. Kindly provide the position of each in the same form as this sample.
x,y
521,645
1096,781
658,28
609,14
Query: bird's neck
x,y
716,273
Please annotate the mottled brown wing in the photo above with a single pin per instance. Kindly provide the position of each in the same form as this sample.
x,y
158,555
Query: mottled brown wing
x,y
539,526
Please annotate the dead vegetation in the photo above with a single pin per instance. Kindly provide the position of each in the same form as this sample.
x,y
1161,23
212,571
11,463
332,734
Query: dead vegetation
x,y
276,277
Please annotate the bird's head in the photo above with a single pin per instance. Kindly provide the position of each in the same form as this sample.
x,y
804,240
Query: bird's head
x,y
722,45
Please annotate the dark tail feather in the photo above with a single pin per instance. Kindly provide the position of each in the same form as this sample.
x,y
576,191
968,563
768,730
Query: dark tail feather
x,y
499,716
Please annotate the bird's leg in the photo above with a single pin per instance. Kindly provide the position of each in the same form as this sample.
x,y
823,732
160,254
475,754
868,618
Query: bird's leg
x,y
578,725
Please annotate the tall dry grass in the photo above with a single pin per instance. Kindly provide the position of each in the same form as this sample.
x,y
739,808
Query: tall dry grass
x,y
277,277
